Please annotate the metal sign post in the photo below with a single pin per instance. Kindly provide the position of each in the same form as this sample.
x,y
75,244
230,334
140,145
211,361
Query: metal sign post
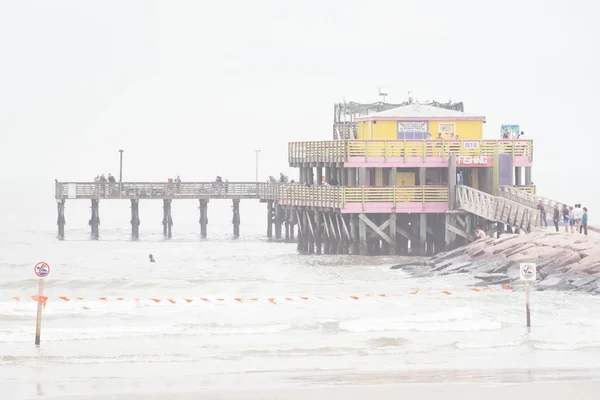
x,y
42,270
528,274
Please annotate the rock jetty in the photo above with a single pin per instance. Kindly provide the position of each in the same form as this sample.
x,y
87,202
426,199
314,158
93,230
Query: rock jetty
x,y
564,261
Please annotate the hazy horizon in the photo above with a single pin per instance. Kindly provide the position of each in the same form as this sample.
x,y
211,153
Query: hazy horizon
x,y
192,90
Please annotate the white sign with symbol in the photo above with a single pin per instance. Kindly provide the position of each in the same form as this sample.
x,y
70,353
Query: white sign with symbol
x,y
470,145
528,271
42,269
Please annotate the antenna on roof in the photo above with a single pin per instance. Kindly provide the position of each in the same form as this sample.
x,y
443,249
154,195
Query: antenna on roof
x,y
382,94
410,98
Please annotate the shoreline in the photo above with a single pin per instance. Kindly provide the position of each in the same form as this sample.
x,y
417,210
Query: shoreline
x,y
449,391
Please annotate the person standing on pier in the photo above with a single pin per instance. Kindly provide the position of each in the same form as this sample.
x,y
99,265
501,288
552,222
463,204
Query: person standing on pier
x,y
584,221
565,213
543,221
556,217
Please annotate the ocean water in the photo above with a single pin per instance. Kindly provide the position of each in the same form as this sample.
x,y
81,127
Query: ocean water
x,y
252,313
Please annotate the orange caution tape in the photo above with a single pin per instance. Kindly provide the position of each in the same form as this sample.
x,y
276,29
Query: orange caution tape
x,y
43,298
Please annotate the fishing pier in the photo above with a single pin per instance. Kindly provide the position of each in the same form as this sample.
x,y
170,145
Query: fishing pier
x,y
382,186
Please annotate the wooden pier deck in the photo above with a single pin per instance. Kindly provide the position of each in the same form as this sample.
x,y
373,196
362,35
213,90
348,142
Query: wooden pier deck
x,y
337,219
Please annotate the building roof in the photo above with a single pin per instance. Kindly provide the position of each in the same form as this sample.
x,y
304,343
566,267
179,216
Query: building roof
x,y
416,112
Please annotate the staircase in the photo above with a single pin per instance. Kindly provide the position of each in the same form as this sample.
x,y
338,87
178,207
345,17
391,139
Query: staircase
x,y
497,209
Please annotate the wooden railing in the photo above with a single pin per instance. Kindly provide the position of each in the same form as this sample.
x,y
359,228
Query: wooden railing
x,y
154,190
398,194
312,152
516,193
497,209
339,197
337,151
316,196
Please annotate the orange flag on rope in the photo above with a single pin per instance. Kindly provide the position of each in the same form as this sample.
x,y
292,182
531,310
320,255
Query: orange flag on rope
x,y
383,295
80,298
475,289
65,298
103,298
415,292
188,300
354,297
205,299
120,298
238,299
44,298
137,299
447,292
17,298
304,298
506,287
272,300
172,301
155,300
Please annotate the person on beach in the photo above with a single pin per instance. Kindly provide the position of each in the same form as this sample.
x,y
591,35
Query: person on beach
x,y
556,217
542,210
584,221
565,213
151,258
571,219
577,215
479,234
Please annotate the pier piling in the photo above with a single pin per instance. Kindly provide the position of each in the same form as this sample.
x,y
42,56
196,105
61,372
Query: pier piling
x,y
167,219
61,218
95,220
203,217
236,217
279,214
135,218
270,212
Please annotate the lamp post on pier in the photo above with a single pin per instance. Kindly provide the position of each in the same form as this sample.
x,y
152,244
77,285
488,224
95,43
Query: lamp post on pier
x,y
120,172
121,166
257,151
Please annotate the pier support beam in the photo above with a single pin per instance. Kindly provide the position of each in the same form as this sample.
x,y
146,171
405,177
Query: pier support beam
x,y
528,176
423,234
203,217
236,218
319,176
362,235
95,220
318,232
287,223
452,181
167,219
394,244
135,218
270,213
279,217
354,233
61,218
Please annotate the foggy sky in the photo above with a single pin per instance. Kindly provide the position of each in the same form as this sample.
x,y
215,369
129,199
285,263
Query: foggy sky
x,y
194,87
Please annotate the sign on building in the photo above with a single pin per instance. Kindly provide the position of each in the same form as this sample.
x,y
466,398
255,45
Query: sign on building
x,y
509,131
415,130
474,161
468,144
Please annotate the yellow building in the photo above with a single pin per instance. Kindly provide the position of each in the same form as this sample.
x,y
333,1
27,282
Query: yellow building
x,y
418,121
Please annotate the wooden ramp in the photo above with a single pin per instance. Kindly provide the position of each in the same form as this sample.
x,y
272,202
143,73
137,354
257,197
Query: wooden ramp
x,y
497,209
